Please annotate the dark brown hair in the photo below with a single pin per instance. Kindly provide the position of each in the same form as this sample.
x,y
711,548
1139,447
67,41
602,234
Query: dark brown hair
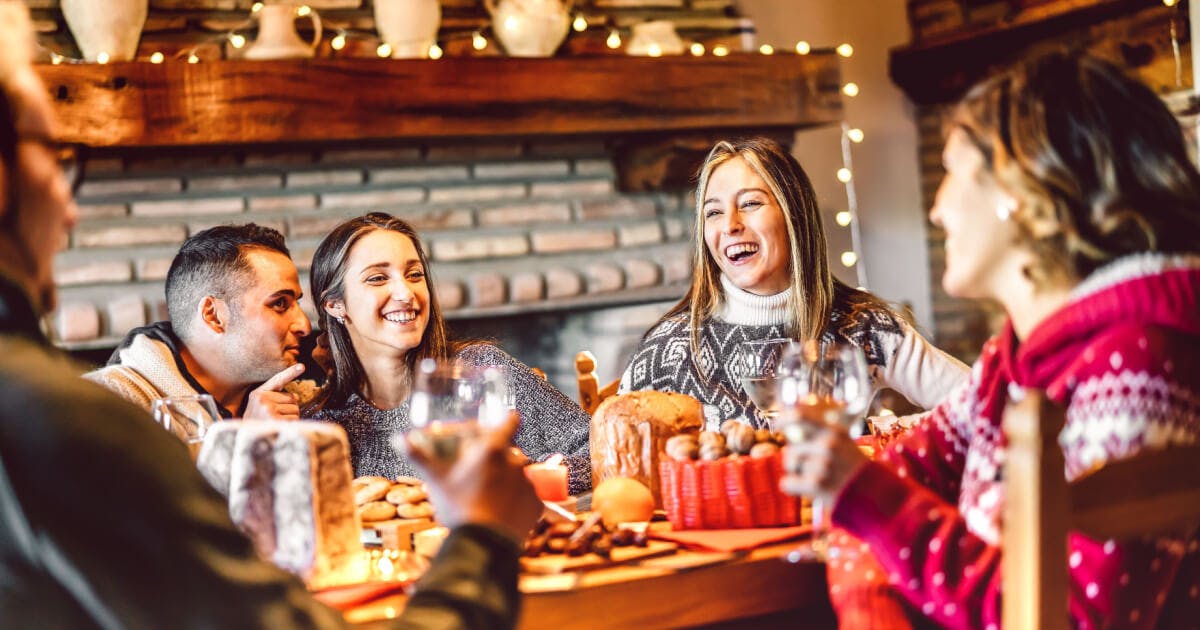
x,y
327,282
1095,159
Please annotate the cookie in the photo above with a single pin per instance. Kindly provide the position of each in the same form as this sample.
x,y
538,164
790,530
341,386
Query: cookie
x,y
377,511
401,495
423,509
373,490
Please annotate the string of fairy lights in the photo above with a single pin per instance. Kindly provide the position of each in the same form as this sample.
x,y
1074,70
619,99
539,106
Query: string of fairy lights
x,y
847,218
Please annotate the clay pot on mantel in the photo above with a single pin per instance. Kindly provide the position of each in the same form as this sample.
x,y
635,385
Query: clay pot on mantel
x,y
108,27
530,28
410,27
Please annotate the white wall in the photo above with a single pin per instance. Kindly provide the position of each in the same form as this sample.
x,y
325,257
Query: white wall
x,y
885,164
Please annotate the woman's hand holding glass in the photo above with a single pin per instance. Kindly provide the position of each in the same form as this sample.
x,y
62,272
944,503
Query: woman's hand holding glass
x,y
822,389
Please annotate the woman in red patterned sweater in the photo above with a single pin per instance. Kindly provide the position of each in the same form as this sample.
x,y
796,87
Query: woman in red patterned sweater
x,y
1070,199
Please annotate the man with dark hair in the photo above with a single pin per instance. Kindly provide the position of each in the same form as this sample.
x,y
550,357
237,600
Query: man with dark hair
x,y
105,523
235,330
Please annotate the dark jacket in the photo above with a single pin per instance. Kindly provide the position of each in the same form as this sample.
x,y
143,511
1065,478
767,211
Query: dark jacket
x,y
105,522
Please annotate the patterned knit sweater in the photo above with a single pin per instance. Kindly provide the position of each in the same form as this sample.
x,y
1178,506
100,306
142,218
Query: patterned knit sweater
x,y
898,356
550,423
1124,357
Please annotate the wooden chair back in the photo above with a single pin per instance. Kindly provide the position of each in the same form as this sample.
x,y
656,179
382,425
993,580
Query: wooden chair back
x,y
590,391
1153,493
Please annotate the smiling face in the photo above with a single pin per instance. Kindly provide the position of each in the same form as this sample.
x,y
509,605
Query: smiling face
x,y
266,322
745,230
982,257
385,301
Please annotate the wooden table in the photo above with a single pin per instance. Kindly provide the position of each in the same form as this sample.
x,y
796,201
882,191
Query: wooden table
x,y
751,589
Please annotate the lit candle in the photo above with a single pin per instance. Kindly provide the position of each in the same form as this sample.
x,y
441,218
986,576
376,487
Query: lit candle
x,y
549,479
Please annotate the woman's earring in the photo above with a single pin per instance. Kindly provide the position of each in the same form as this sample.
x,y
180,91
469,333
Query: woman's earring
x,y
1006,209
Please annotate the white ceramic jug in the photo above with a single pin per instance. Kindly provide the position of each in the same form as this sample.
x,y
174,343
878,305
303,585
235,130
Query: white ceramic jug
x,y
530,28
112,27
410,27
277,37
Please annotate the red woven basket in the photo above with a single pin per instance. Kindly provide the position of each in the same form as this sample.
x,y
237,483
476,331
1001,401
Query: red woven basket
x,y
732,492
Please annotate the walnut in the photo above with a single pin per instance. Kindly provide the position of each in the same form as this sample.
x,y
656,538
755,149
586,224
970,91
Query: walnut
x,y
712,437
740,438
762,435
683,447
713,451
764,449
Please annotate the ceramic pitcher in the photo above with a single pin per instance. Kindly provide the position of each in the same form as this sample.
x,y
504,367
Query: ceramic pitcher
x,y
410,27
277,37
112,27
530,28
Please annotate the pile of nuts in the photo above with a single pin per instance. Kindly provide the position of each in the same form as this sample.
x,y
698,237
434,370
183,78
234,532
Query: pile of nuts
x,y
735,438
561,538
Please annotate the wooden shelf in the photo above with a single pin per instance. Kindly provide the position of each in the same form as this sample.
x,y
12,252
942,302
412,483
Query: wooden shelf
x,y
941,69
257,102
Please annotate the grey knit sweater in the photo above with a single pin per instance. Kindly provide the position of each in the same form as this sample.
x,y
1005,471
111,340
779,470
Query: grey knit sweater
x,y
550,423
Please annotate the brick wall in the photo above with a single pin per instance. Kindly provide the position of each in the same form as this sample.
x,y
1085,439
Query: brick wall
x,y
1141,40
510,227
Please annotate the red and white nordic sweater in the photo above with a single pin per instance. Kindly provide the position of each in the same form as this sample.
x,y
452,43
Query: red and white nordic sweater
x,y
1124,357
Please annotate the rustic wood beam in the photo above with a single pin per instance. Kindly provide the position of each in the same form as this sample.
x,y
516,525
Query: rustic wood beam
x,y
941,69
252,102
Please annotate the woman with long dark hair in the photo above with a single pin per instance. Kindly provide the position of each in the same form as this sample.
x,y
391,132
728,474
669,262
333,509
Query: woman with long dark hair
x,y
376,302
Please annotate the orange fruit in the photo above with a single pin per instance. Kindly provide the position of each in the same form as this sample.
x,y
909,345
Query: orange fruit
x,y
622,500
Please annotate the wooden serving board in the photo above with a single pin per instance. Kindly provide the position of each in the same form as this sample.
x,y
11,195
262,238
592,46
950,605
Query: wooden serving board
x,y
560,563
395,533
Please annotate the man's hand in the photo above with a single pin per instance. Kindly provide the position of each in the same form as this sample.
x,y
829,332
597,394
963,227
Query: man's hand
x,y
485,485
268,402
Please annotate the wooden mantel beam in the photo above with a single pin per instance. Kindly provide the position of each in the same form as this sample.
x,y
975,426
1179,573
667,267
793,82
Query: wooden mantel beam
x,y
257,102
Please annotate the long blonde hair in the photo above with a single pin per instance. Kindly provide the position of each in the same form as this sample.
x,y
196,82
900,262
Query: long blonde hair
x,y
814,289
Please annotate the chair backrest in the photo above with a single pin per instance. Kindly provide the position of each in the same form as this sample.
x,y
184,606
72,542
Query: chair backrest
x,y
1154,492
590,391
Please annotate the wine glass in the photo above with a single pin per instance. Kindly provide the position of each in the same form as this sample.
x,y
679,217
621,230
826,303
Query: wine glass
x,y
754,365
451,401
187,417
820,383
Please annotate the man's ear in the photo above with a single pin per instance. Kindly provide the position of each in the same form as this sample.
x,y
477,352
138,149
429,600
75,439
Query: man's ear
x,y
214,314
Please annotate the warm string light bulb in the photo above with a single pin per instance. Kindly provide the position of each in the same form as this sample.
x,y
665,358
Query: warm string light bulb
x,y
697,49
338,42
856,135
849,259
844,175
850,89
303,10
843,218
614,39
237,40
478,41
580,24
1170,3
845,50
384,50
435,52
803,48
766,49
720,51
157,57
102,57
654,50
193,58
56,58
256,7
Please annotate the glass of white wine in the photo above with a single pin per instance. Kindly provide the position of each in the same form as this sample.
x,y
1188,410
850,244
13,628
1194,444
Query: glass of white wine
x,y
186,417
451,401
755,365
820,383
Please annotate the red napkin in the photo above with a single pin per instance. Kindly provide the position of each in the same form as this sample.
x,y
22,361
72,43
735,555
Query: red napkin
x,y
733,539
347,597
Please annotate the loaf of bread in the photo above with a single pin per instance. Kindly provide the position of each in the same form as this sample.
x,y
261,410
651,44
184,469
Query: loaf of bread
x,y
629,433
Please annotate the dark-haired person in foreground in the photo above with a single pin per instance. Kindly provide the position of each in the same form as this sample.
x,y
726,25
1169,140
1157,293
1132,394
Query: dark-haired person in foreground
x,y
235,330
104,522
